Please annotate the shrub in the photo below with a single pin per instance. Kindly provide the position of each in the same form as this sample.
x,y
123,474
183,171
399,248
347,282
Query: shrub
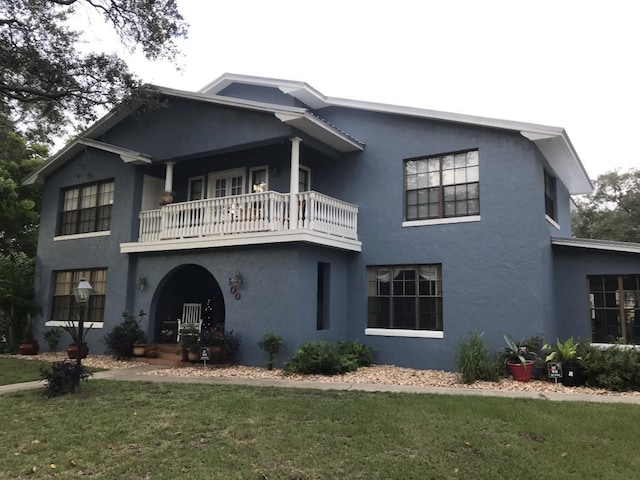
x,y
231,345
363,353
614,368
272,344
52,337
62,378
121,339
474,360
324,358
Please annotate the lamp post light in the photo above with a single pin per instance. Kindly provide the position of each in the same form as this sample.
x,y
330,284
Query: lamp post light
x,y
81,293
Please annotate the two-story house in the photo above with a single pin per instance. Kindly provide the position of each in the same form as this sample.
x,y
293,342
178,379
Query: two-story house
x,y
322,218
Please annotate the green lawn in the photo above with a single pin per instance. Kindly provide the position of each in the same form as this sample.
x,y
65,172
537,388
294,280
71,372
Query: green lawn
x,y
113,430
18,370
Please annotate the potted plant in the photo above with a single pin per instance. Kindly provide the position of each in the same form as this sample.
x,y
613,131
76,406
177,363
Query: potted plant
x,y
213,337
28,346
125,335
518,358
72,329
189,344
139,349
167,198
52,337
566,353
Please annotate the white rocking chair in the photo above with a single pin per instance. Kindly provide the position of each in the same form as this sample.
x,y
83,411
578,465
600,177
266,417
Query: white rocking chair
x,y
191,318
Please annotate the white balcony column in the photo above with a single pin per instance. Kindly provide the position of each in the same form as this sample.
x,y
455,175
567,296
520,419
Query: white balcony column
x,y
294,182
168,177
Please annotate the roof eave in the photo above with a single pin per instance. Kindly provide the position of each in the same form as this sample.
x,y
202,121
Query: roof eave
x,y
593,244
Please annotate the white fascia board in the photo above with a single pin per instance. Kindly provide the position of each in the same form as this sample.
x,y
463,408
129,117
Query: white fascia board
x,y
230,102
72,148
320,130
624,247
127,155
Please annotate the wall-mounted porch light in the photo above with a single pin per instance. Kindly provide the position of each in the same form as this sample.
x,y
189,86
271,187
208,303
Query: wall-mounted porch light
x,y
236,281
142,282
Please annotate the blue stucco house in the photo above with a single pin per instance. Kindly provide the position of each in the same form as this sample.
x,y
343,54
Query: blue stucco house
x,y
324,218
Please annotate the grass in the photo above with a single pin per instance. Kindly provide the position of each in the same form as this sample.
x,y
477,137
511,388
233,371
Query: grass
x,y
18,370
113,430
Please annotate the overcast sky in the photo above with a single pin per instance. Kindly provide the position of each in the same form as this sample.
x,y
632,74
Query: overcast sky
x,y
566,63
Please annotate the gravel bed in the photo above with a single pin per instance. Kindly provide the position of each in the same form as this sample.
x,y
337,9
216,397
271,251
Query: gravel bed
x,y
377,374
385,375
94,361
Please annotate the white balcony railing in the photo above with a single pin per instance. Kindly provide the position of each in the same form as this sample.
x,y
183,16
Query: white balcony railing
x,y
259,212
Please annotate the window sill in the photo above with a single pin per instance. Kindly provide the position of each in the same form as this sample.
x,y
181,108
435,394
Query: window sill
x,y
103,233
552,221
392,332
441,221
623,346
87,325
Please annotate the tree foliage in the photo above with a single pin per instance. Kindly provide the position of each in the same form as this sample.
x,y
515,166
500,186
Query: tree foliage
x,y
19,204
612,211
44,77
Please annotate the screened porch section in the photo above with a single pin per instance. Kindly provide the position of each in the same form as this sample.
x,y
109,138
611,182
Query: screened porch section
x,y
250,213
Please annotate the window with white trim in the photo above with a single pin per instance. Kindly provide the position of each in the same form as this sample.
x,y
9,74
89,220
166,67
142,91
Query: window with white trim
x,y
86,208
64,307
304,179
226,183
196,188
259,177
406,297
442,186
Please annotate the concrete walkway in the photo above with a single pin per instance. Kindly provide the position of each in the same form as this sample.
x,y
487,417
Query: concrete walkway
x,y
136,374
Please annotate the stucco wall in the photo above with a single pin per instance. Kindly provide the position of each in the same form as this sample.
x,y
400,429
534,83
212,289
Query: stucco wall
x,y
572,266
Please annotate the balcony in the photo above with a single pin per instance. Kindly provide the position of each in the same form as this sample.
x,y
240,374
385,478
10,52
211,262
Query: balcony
x,y
251,219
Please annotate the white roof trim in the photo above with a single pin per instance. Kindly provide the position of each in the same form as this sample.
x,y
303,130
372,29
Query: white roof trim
x,y
127,155
609,245
553,142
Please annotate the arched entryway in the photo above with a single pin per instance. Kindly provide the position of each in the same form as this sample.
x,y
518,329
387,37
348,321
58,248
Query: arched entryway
x,y
186,284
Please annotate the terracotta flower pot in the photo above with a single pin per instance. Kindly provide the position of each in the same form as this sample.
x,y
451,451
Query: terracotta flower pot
x,y
72,351
139,350
29,348
519,372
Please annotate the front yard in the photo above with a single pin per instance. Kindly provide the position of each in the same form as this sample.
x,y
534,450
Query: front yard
x,y
140,430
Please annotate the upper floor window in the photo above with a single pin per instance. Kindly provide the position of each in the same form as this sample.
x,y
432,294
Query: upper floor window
x,y
549,195
304,179
86,208
64,307
442,186
259,180
405,297
196,188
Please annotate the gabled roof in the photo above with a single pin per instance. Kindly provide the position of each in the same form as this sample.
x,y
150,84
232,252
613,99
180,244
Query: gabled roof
x,y
553,142
609,245
299,118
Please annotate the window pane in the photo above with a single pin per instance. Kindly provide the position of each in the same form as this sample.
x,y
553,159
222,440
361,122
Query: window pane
x,y
410,167
448,177
473,174
448,162
460,175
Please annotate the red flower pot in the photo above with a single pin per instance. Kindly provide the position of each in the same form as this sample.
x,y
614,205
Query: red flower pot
x,y
28,348
72,351
519,372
